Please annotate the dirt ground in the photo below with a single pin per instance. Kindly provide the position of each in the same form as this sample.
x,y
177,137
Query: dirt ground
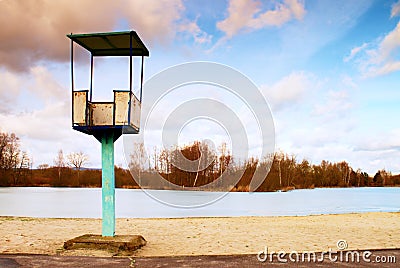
x,y
209,236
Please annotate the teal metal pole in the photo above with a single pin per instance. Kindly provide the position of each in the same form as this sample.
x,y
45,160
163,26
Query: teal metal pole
x,y
108,184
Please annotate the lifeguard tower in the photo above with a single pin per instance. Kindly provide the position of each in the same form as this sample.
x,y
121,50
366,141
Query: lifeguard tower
x,y
107,121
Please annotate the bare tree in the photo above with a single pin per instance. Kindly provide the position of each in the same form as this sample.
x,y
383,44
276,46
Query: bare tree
x,y
23,169
345,171
10,157
77,160
138,161
9,151
59,163
43,166
385,176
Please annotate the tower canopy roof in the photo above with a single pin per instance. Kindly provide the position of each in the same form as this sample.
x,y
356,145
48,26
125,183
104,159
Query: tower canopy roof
x,y
111,43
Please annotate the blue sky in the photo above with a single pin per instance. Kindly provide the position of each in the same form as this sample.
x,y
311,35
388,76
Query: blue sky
x,y
330,70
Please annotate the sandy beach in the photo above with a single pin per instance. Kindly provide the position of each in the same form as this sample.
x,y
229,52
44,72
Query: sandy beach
x,y
209,236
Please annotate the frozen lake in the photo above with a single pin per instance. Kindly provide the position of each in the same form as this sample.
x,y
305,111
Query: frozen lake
x,y
86,202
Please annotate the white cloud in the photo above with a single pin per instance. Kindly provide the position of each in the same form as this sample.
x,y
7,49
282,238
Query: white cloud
x,y
193,30
378,150
156,20
35,30
335,104
37,104
36,87
244,15
388,46
318,123
379,57
388,141
38,111
9,90
382,60
395,10
354,52
44,125
326,22
45,86
289,90
349,82
48,123
387,68
297,8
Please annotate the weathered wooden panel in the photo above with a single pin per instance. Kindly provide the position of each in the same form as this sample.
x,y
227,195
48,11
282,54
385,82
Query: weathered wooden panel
x,y
101,114
121,99
135,113
79,107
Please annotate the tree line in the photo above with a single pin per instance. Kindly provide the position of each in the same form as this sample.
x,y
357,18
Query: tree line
x,y
189,166
286,172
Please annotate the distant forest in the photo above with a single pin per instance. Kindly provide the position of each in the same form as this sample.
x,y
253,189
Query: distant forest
x,y
286,172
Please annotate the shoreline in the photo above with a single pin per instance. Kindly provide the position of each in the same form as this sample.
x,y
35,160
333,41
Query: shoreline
x,y
195,189
194,236
28,218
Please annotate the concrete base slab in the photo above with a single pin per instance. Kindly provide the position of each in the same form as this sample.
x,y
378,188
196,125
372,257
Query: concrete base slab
x,y
119,244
